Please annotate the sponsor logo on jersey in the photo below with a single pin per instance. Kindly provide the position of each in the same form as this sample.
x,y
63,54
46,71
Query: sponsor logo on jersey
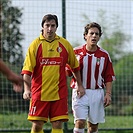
x,y
51,61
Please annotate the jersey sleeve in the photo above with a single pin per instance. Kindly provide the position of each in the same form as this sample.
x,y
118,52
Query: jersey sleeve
x,y
68,70
72,60
109,72
30,60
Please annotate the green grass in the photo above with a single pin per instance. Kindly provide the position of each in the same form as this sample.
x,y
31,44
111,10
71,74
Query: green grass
x,y
19,121
112,122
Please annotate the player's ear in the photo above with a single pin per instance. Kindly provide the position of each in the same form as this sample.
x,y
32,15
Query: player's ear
x,y
85,37
42,29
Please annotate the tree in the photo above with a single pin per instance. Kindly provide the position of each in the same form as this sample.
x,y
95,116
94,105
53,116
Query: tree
x,y
123,88
0,29
11,51
11,35
124,72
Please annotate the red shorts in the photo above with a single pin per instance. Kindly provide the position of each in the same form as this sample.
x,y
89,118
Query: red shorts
x,y
54,110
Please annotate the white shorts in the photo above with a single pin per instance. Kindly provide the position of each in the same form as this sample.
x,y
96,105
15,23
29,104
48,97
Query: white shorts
x,y
89,107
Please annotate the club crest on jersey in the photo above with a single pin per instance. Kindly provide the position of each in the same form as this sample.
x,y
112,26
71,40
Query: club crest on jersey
x,y
98,61
59,49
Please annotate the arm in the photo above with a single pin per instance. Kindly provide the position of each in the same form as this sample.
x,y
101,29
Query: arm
x,y
27,86
4,69
107,98
80,88
11,76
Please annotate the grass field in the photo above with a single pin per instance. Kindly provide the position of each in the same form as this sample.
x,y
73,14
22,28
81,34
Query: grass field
x,y
19,121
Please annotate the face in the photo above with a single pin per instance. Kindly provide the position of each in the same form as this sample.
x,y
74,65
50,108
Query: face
x,y
49,29
92,37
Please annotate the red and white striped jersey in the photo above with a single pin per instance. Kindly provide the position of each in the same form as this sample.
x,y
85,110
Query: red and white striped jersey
x,y
95,67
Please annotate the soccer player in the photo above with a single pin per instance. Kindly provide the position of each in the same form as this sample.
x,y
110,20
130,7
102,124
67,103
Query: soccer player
x,y
96,74
11,76
44,68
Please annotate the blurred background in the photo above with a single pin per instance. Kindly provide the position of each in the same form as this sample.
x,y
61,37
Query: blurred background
x,y
20,24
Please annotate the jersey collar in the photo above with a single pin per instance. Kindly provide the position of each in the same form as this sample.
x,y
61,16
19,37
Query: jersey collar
x,y
43,38
89,52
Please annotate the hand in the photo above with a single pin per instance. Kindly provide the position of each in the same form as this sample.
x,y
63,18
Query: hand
x,y
17,81
80,91
107,100
27,95
17,88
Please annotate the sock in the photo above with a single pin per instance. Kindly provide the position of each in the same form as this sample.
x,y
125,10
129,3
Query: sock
x,y
37,132
77,130
57,130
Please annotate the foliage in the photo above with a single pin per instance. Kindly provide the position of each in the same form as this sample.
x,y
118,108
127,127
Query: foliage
x,y
113,45
122,93
11,35
124,73
12,54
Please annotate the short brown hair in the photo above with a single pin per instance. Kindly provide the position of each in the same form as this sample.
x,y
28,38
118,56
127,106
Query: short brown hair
x,y
92,25
49,17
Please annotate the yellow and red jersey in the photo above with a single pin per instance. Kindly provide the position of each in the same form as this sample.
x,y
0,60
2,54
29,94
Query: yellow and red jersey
x,y
45,62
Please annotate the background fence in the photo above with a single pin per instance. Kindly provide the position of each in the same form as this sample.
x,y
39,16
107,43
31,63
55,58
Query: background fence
x,y
21,23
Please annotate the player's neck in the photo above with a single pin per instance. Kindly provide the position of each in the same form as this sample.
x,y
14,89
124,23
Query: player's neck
x,y
91,48
49,38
